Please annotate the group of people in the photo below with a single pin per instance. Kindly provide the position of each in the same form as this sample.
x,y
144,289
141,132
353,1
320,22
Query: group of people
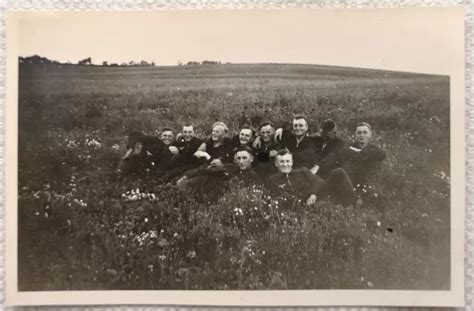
x,y
289,162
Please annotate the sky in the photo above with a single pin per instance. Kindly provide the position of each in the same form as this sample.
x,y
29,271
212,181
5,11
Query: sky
x,y
414,40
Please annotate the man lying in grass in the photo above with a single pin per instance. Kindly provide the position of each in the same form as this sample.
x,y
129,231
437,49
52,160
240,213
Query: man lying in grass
x,y
359,161
212,181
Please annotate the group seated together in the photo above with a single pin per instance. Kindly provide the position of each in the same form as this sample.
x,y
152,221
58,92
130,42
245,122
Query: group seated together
x,y
288,162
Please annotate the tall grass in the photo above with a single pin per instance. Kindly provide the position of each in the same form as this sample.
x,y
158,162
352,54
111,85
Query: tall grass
x,y
80,227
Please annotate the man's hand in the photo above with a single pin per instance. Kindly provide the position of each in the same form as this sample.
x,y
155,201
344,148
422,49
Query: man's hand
x,y
273,153
315,169
173,149
202,154
217,162
257,142
278,134
181,181
311,200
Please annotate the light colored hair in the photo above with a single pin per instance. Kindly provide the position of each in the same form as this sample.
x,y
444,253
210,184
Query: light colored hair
x,y
221,124
364,124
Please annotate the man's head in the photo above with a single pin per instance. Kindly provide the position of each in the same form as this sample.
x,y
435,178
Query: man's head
x,y
329,129
188,132
363,133
219,131
267,131
243,157
284,161
300,125
167,136
246,135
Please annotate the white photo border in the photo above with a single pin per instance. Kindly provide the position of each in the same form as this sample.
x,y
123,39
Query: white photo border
x,y
201,4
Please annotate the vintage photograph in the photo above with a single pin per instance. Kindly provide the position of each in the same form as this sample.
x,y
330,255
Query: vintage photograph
x,y
209,151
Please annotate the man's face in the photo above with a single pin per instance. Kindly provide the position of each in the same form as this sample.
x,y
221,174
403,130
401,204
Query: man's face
x,y
243,159
138,148
284,163
218,133
267,133
330,134
300,127
188,133
167,137
245,136
363,135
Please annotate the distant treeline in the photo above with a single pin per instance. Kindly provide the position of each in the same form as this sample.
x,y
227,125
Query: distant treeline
x,y
39,60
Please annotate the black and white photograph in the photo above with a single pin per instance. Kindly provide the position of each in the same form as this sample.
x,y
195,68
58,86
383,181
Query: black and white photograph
x,y
257,151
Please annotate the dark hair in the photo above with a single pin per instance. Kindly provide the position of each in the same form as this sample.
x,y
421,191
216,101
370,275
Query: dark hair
x,y
188,125
283,152
364,124
300,116
165,129
244,148
328,125
248,127
266,123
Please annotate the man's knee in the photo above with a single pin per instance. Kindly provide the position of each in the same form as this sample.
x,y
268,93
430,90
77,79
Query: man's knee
x,y
338,175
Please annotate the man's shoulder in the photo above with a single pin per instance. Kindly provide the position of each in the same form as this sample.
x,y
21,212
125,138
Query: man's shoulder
x,y
339,141
196,141
301,171
275,177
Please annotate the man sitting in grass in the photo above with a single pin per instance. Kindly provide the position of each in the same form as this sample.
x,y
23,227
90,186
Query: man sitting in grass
x,y
266,150
299,184
168,137
244,138
330,144
214,180
303,147
186,145
302,184
217,150
359,161
144,154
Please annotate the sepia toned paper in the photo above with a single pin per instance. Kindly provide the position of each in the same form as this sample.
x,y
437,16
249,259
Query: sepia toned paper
x,y
428,41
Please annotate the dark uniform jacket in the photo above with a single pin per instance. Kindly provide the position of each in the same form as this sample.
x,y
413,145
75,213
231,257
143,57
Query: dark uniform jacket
x,y
328,149
262,153
187,150
153,153
360,166
224,152
300,183
305,153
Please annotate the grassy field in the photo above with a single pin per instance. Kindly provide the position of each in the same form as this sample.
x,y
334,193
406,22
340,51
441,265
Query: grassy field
x,y
80,229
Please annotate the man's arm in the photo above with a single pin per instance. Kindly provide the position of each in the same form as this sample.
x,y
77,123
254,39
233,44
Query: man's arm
x,y
373,152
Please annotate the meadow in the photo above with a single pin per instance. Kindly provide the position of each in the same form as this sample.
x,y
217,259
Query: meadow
x,y
82,228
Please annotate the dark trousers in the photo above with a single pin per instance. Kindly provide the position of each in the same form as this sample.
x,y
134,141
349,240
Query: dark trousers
x,y
339,188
